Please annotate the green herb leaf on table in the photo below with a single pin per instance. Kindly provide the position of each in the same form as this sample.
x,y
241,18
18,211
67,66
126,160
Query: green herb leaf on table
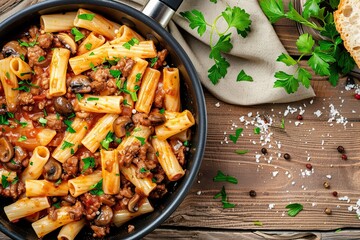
x,y
241,152
242,76
258,223
221,177
222,194
294,209
235,137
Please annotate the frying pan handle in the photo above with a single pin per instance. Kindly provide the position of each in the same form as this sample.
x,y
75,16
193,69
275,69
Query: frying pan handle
x,y
161,10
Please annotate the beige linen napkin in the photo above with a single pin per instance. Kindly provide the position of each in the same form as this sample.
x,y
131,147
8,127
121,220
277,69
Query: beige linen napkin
x,y
256,54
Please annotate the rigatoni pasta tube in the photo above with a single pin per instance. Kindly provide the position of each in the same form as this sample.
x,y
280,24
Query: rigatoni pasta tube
x,y
110,171
58,68
147,90
91,42
97,24
25,207
134,79
57,22
83,183
46,225
125,34
37,161
182,136
145,49
9,83
138,134
89,60
45,136
70,230
39,188
71,141
171,86
173,126
100,104
123,216
167,159
145,185
102,127
20,68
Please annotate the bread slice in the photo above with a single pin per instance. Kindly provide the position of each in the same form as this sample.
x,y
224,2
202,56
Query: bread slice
x,y
347,22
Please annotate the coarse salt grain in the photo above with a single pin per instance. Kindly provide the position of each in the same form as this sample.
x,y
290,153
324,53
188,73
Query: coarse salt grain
x,y
271,206
328,176
217,104
275,173
198,193
318,113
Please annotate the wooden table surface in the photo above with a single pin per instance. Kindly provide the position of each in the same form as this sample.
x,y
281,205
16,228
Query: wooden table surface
x,y
277,182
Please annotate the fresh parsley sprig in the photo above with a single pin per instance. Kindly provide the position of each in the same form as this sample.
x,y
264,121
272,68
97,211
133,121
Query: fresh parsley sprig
x,y
327,57
221,177
235,17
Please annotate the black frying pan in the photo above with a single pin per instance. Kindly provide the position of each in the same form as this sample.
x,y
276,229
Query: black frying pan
x,y
192,98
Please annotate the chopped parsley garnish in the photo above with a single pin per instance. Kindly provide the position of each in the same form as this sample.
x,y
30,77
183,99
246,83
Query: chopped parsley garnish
x,y
224,200
125,102
41,58
31,163
235,137
162,111
72,151
107,140
157,154
141,139
27,44
115,73
22,57
4,119
10,114
92,99
186,143
130,43
69,128
282,125
66,145
7,74
4,181
22,139
13,161
257,130
97,188
88,46
43,121
92,66
86,16
25,86
77,34
92,54
153,61
57,116
71,115
258,223
16,179
25,73
45,113
89,162
58,182
221,177
79,97
240,152
143,170
154,180
57,205
22,124
294,209
137,77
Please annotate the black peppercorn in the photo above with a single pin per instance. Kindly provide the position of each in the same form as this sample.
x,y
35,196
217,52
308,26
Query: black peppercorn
x,y
335,193
252,193
287,156
264,151
341,149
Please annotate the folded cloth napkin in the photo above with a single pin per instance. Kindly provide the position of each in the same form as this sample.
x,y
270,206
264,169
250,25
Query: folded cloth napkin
x,y
256,54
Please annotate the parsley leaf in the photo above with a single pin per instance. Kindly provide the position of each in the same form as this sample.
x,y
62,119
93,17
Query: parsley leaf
x,y
257,130
218,70
42,121
96,189
107,140
86,16
221,177
92,99
141,139
79,97
294,209
222,194
240,152
88,46
287,81
77,34
41,58
4,181
237,17
242,76
89,162
235,137
22,138
274,9
153,61
66,145
287,59
196,20
130,43
69,128
115,73
319,62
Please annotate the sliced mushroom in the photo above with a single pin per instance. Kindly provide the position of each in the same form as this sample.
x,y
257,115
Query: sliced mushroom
x,y
121,124
13,48
156,118
20,153
80,84
68,42
63,106
13,165
52,170
133,203
105,216
6,150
